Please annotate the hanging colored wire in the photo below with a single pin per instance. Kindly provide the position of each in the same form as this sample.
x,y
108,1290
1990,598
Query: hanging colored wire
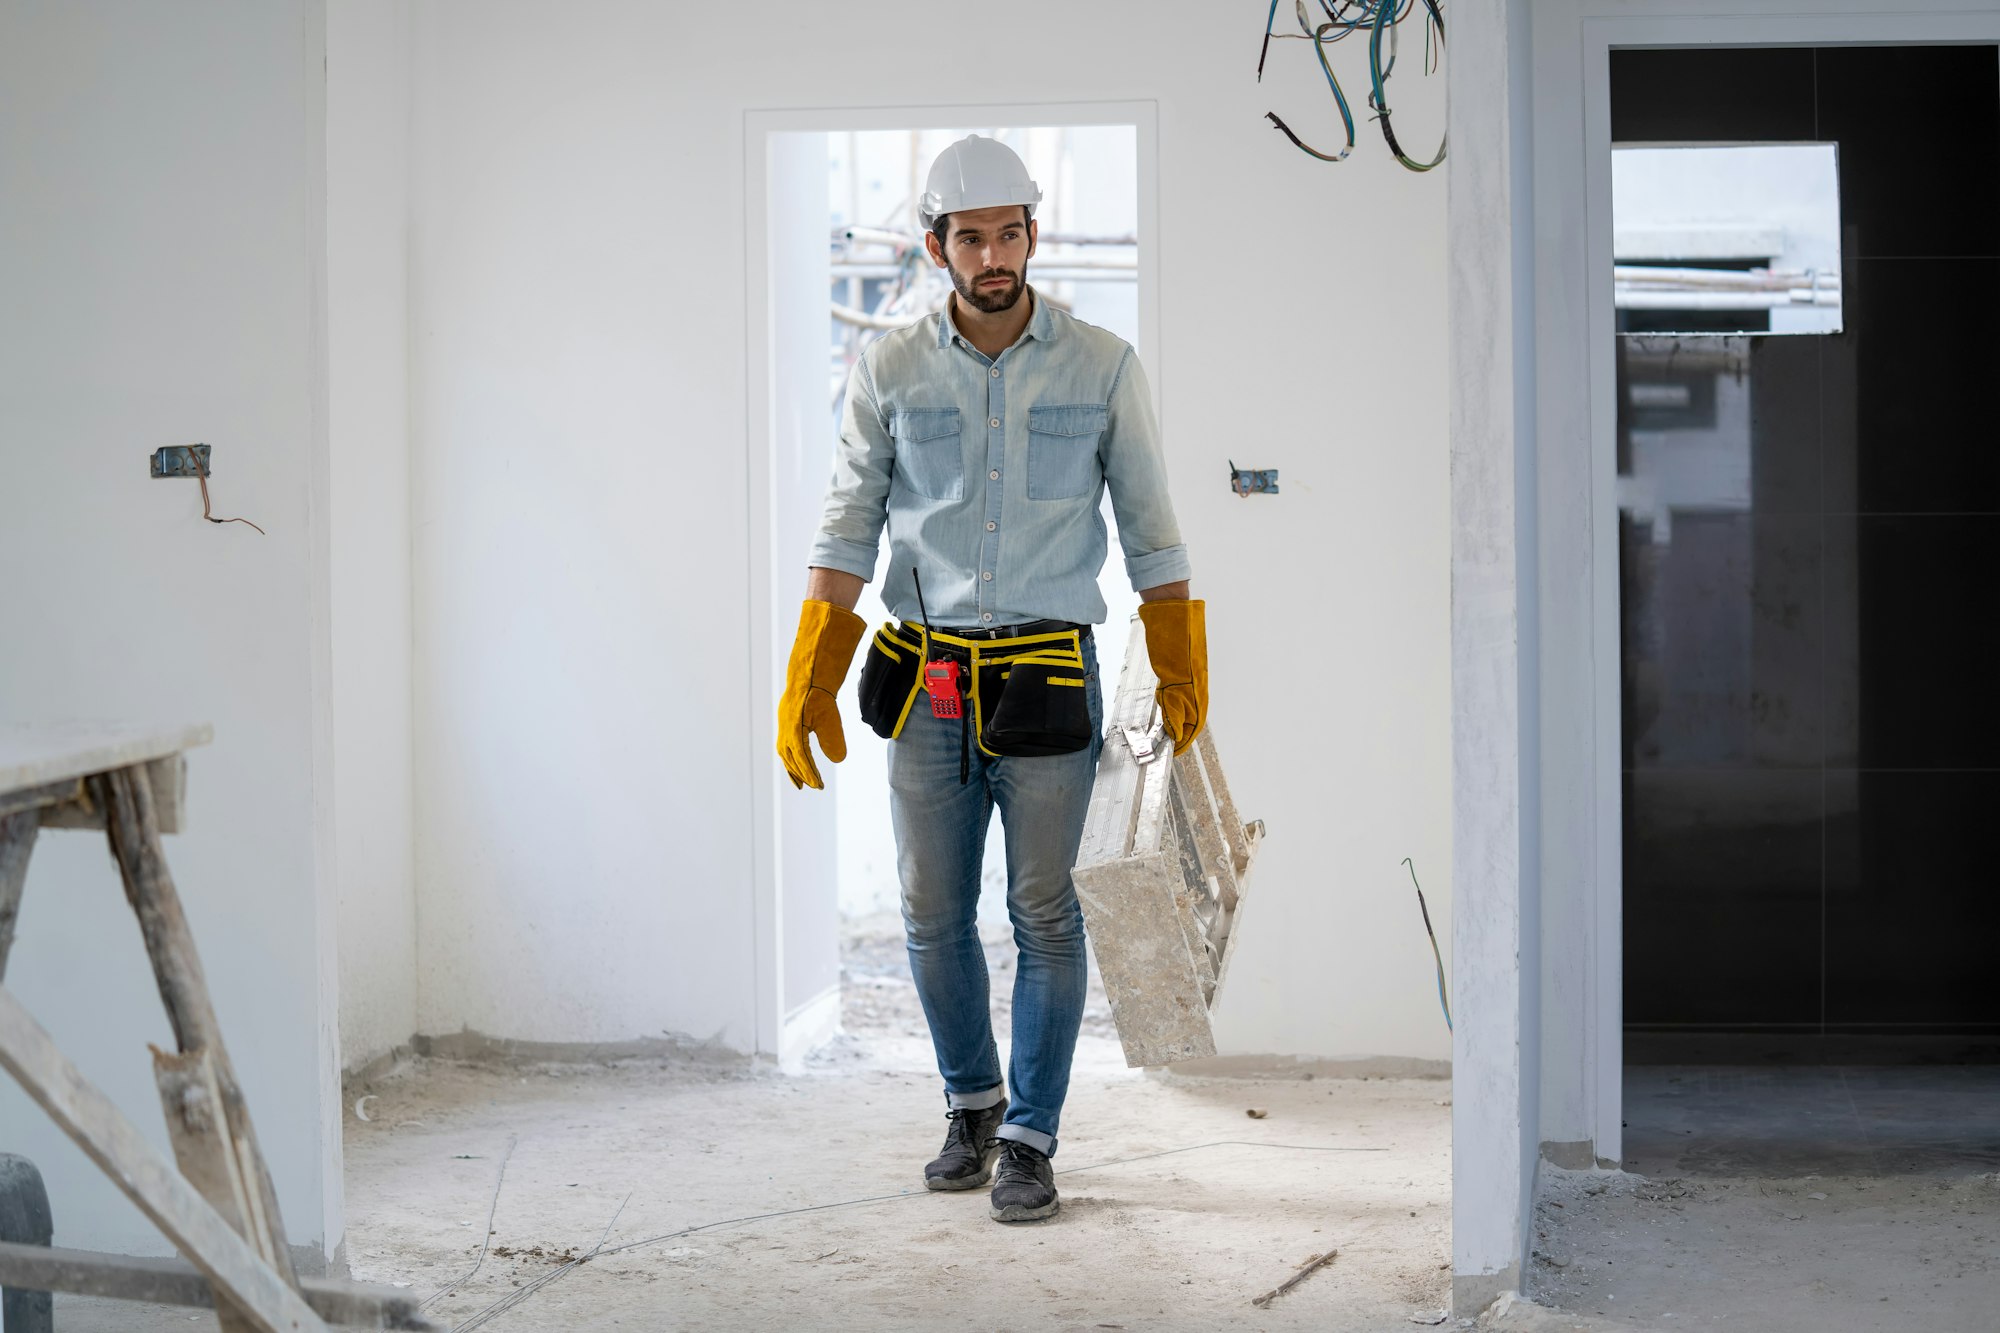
x,y
1378,98
1343,20
1444,996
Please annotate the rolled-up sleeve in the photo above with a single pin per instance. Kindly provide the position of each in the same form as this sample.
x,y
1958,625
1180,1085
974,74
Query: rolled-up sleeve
x,y
1135,472
850,530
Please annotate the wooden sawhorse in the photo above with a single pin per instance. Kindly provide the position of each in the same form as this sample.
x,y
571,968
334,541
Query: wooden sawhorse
x,y
219,1207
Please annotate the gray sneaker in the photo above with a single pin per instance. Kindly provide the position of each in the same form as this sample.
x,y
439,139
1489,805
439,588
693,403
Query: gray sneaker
x,y
966,1160
1026,1189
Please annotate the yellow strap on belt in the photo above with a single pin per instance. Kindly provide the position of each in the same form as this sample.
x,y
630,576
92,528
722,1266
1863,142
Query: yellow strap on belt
x,y
1027,649
1011,652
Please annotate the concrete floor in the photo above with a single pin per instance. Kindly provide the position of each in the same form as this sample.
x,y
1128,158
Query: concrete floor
x,y
1178,1208
1786,1200
1731,1121
1768,1200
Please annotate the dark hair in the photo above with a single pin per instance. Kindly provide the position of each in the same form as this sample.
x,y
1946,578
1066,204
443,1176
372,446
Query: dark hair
x,y
942,226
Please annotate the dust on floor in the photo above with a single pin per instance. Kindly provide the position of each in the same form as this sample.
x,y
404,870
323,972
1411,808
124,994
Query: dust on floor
x,y
726,1197
1813,1254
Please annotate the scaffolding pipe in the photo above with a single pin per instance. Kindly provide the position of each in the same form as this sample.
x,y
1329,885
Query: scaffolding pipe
x,y
1745,300
1055,270
901,241
1732,280
861,319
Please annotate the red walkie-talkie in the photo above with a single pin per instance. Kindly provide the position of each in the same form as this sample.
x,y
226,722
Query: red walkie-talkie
x,y
941,679
940,673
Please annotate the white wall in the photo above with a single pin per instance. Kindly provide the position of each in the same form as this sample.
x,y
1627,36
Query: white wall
x,y
162,251
808,861
367,134
584,787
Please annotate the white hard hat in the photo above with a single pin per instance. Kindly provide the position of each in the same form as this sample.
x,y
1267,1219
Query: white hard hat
x,y
976,172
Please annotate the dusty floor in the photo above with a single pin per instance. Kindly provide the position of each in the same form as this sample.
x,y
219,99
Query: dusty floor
x,y
1178,1208
1786,1201
721,1197
1810,1255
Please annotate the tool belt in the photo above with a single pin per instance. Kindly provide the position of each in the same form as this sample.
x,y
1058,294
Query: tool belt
x,y
1026,691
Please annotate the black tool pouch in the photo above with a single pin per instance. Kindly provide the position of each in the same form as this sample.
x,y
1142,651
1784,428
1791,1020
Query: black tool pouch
x,y
890,675
1033,707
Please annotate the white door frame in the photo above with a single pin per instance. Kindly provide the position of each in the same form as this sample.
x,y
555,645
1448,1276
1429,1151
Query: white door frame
x,y
773,593
1582,880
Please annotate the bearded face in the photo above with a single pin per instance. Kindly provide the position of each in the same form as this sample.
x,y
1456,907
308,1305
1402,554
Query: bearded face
x,y
992,290
986,251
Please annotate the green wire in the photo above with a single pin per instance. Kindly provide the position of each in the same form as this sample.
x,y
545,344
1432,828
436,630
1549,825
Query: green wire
x,y
1444,996
1319,40
1379,97
1376,15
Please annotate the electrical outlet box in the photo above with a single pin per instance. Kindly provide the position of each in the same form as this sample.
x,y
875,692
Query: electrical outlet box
x,y
178,460
1253,481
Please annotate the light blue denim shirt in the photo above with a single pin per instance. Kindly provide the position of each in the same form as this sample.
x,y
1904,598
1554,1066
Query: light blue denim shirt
x,y
989,473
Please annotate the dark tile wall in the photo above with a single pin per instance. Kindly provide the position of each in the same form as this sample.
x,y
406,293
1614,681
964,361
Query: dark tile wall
x,y
1812,662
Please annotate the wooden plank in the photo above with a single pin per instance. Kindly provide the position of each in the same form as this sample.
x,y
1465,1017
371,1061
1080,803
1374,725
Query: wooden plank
x,y
37,755
40,798
17,842
177,1282
110,1140
127,800
168,779
210,1158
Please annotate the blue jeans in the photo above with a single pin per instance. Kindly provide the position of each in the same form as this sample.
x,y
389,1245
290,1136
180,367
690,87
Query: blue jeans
x,y
940,841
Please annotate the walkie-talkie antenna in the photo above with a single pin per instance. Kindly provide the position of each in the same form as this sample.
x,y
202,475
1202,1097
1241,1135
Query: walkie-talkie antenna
x,y
917,579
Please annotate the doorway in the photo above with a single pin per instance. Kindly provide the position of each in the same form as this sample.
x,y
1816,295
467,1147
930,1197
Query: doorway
x,y
833,194
1808,518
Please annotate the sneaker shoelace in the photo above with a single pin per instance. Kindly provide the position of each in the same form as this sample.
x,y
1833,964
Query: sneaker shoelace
x,y
961,1127
1019,1162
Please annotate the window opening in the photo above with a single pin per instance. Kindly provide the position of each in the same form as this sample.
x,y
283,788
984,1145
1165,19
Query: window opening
x,y
1730,239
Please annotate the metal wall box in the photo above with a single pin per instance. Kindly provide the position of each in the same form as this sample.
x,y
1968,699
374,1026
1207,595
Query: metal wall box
x,y
179,460
1161,875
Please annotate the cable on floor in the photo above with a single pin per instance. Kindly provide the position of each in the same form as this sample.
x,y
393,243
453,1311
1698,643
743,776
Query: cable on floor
x,y
485,1241
506,1303
513,1299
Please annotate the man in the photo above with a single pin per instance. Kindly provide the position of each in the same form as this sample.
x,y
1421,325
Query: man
x,y
984,437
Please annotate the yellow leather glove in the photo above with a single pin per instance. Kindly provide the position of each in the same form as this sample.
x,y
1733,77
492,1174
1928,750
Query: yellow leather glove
x,y
821,655
1177,645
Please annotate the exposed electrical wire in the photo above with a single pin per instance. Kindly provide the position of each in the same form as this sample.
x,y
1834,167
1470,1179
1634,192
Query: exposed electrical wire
x,y
1343,20
487,1239
599,1250
201,471
1444,996
508,1302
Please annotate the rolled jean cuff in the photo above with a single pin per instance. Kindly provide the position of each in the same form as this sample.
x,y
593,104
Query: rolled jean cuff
x,y
1034,1138
977,1101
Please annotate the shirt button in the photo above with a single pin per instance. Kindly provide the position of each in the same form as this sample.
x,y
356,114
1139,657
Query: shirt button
x,y
996,372
987,616
991,526
994,475
988,576
994,422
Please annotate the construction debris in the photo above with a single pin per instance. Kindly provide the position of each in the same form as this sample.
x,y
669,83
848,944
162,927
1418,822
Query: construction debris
x,y
1312,1265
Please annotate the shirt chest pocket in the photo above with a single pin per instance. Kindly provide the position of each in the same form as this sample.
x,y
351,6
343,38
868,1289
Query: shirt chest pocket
x,y
928,458
1062,449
